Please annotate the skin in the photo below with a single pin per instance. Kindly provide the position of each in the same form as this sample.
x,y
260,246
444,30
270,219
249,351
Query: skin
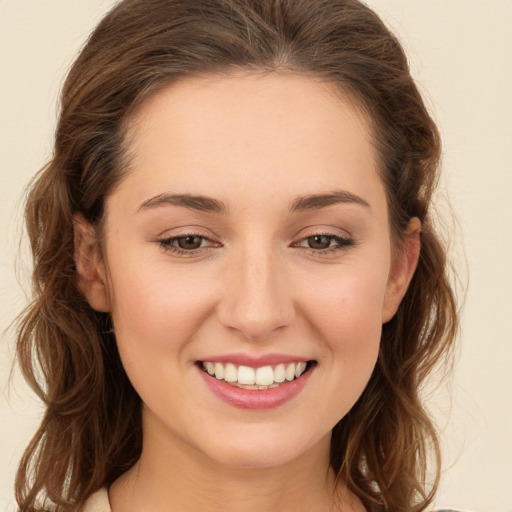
x,y
255,286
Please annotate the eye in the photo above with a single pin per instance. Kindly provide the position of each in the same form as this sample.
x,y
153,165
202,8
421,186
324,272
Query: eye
x,y
322,243
319,241
189,242
186,245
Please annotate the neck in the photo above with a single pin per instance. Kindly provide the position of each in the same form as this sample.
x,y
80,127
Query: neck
x,y
171,475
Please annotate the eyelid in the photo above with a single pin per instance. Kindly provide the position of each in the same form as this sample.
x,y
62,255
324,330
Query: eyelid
x,y
188,230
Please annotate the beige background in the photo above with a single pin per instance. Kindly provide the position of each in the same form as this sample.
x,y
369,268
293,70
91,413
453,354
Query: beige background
x,y
461,53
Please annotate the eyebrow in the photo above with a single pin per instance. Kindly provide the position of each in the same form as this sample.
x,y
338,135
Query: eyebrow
x,y
210,205
193,202
317,201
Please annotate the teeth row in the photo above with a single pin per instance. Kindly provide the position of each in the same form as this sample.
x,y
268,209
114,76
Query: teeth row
x,y
251,378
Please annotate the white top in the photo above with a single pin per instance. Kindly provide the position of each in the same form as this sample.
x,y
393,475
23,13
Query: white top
x,y
98,502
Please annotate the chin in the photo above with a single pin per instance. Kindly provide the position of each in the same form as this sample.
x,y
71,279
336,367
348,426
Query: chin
x,y
265,449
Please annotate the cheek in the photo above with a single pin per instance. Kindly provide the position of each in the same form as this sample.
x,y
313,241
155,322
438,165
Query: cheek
x,y
345,312
347,316
347,301
154,309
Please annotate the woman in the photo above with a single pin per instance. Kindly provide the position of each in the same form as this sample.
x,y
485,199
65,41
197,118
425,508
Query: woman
x,y
238,287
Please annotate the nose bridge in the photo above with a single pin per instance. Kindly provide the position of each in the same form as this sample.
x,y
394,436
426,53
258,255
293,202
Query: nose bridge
x,y
258,300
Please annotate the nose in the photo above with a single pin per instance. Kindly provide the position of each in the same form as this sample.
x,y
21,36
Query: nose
x,y
258,299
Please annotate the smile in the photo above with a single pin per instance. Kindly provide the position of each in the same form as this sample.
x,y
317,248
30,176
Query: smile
x,y
261,378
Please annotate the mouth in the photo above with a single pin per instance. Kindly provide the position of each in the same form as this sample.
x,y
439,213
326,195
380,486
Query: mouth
x,y
256,378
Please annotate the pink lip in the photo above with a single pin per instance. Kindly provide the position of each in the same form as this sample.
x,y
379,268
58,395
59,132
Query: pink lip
x,y
255,361
254,398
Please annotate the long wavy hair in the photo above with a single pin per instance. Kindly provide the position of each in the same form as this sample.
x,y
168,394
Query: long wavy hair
x,y
91,430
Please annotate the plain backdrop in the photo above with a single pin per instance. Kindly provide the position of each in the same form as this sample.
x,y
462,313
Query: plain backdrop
x,y
461,54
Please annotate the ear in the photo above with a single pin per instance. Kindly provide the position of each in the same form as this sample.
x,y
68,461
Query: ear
x,y
402,269
91,270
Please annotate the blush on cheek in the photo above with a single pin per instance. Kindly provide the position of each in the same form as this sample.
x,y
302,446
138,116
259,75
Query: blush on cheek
x,y
157,309
346,304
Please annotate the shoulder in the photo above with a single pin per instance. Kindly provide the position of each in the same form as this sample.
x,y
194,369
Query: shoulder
x,y
98,502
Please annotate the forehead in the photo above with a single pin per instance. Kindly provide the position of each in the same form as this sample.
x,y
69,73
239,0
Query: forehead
x,y
253,133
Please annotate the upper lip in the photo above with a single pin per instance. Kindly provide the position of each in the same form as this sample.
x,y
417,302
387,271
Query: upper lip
x,y
255,361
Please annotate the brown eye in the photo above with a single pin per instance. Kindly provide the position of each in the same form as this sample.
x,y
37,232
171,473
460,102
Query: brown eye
x,y
190,242
325,244
319,242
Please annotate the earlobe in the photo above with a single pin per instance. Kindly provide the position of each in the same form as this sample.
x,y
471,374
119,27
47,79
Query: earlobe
x,y
91,271
402,269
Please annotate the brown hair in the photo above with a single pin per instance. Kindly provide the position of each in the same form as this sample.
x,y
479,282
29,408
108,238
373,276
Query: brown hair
x,y
91,430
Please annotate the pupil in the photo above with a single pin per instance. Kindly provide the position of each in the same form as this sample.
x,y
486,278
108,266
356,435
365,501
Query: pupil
x,y
319,242
189,242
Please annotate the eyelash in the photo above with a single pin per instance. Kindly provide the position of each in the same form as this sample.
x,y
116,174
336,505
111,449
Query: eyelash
x,y
168,244
342,244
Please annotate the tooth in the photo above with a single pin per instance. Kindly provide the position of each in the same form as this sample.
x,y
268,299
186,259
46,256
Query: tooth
x,y
279,373
230,373
219,371
245,375
247,386
299,370
264,376
290,371
255,378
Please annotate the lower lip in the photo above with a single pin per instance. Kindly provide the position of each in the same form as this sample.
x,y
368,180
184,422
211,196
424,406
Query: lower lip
x,y
256,398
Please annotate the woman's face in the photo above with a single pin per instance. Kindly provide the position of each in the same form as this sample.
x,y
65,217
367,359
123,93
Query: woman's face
x,y
248,240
